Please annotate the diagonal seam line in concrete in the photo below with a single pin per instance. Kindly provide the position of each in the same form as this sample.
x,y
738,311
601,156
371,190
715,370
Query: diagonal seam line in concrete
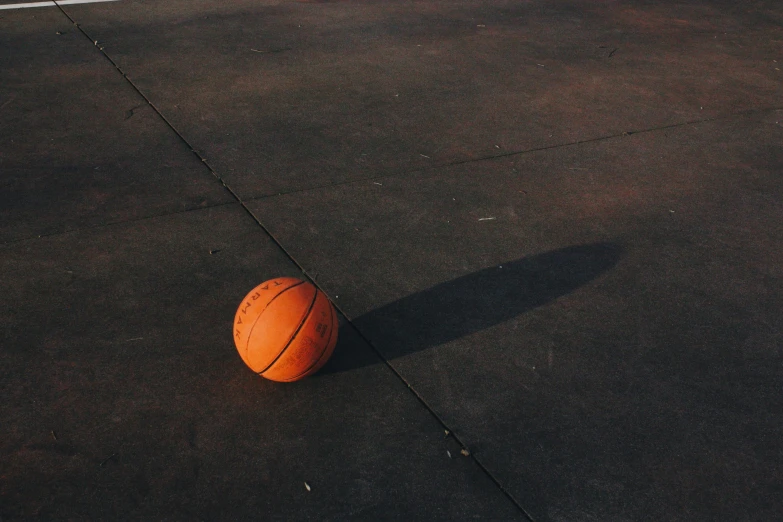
x,y
383,176
112,223
522,152
421,400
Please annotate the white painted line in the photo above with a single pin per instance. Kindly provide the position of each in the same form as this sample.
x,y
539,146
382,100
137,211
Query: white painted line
x,y
72,2
31,4
51,4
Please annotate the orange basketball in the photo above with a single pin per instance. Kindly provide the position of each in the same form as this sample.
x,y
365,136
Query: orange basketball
x,y
285,329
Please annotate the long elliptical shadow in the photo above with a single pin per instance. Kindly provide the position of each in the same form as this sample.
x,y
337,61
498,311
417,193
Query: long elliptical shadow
x,y
477,301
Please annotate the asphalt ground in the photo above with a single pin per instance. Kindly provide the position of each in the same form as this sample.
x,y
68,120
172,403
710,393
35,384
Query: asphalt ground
x,y
552,230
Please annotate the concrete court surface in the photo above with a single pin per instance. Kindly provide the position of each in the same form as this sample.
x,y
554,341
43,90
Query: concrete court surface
x,y
552,229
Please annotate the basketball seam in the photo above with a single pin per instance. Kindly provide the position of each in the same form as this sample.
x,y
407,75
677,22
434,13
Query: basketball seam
x,y
250,333
301,324
326,346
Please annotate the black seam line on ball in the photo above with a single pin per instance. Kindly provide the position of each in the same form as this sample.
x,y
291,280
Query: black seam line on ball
x,y
278,295
301,324
253,327
326,346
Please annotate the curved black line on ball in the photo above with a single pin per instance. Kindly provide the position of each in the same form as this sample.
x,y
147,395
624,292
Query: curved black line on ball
x,y
474,302
332,333
293,336
253,326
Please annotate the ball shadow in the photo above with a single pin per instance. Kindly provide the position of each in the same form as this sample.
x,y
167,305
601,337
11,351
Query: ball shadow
x,y
473,302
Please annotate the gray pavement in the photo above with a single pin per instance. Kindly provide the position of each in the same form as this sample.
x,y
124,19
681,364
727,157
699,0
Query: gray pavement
x,y
552,230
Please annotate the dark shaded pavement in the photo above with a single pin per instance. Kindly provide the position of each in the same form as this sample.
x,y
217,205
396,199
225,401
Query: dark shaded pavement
x,y
552,228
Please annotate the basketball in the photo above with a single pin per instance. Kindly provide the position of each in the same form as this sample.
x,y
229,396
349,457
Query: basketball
x,y
285,329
